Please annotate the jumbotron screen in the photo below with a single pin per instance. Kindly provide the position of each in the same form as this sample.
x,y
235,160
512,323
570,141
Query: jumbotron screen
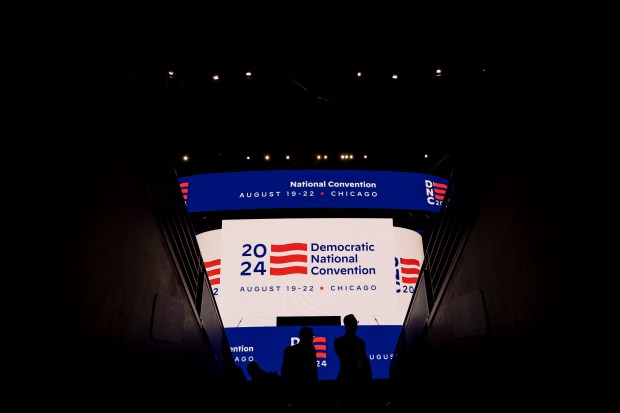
x,y
272,273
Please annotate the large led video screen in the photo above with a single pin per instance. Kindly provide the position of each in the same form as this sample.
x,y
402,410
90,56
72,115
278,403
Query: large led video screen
x,y
271,276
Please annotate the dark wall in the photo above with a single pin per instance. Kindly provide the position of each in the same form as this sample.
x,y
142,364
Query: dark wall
x,y
513,319
105,263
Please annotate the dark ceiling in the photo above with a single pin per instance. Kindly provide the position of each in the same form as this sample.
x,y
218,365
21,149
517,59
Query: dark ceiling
x,y
304,113
502,90
304,97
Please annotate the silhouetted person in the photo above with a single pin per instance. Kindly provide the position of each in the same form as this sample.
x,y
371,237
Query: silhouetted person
x,y
266,389
355,374
300,371
237,375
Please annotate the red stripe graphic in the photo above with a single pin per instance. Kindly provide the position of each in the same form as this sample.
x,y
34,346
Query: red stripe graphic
x,y
412,271
410,261
211,263
283,259
184,189
289,247
440,190
297,269
410,280
320,354
410,266
287,257
213,271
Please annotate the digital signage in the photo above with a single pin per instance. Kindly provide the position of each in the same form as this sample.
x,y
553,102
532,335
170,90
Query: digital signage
x,y
271,276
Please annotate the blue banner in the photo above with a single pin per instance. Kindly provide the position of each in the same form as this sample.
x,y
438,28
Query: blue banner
x,y
266,346
313,189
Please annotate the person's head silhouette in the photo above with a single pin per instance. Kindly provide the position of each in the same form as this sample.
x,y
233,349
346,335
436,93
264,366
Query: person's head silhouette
x,y
306,335
350,324
253,369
